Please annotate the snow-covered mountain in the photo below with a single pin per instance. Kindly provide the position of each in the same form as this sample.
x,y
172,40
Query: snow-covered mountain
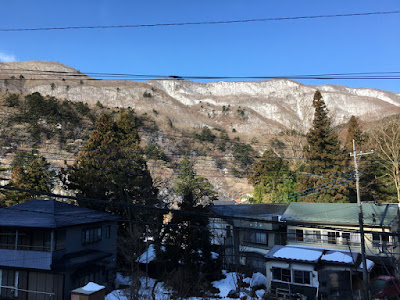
x,y
249,107
286,102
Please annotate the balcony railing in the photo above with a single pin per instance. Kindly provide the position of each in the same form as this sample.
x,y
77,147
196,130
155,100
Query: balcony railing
x,y
40,248
25,259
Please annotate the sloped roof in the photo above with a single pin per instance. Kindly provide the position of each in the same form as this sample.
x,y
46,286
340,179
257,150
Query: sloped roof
x,y
341,213
254,210
50,214
314,255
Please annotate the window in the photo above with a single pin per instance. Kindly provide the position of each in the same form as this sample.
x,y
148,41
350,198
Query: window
x,y
312,236
345,237
308,236
332,235
91,235
380,240
261,238
355,239
317,235
9,284
291,235
7,238
299,235
281,274
108,231
302,277
35,240
256,237
295,276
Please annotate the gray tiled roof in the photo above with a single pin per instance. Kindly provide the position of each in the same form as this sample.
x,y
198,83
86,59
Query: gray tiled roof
x,y
256,210
50,214
340,213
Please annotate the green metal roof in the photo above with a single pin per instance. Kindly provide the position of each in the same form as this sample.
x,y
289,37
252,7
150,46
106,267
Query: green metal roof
x,y
341,213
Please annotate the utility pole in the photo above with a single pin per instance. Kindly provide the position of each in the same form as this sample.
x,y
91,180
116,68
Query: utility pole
x,y
360,219
147,254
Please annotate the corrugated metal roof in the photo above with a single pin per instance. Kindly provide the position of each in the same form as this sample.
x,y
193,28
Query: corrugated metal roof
x,y
341,213
50,214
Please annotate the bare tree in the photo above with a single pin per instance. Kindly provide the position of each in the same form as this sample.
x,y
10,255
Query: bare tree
x,y
387,142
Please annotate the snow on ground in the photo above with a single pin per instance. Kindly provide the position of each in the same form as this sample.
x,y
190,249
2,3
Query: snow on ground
x,y
225,285
257,279
148,255
122,280
160,292
214,255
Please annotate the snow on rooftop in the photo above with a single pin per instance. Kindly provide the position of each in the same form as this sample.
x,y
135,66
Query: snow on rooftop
x,y
148,255
337,257
370,264
92,287
298,254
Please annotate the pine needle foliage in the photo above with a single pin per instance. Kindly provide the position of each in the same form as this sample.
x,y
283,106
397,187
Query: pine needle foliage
x,y
186,237
111,165
30,171
324,160
353,133
272,179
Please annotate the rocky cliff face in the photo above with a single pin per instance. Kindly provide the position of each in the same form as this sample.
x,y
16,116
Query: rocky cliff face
x,y
284,101
253,107
247,110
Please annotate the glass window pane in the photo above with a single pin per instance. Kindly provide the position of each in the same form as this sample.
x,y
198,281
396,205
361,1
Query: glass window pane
x,y
276,273
332,237
299,235
286,275
291,235
317,235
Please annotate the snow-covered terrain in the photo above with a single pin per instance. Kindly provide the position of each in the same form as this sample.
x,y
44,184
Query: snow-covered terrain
x,y
225,286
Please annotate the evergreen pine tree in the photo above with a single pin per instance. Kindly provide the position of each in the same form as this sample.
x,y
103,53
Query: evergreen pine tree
x,y
30,171
324,160
111,166
271,178
353,132
186,237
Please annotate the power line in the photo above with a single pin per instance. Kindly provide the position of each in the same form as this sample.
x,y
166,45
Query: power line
x,y
174,211
71,75
198,23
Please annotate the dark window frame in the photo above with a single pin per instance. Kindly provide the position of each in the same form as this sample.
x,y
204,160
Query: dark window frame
x,y
91,235
281,274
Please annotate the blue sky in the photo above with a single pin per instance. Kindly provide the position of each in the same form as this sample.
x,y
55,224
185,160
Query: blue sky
x,y
334,45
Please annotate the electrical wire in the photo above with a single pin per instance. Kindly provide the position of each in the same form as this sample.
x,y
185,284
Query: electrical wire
x,y
84,76
200,22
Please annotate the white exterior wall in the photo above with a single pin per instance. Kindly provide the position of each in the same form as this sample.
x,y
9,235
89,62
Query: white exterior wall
x,y
292,266
355,240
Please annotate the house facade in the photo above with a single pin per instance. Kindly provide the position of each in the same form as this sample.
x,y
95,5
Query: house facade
x,y
314,273
322,257
335,226
48,248
251,230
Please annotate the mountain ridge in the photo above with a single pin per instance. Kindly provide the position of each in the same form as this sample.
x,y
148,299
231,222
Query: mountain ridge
x,y
247,107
